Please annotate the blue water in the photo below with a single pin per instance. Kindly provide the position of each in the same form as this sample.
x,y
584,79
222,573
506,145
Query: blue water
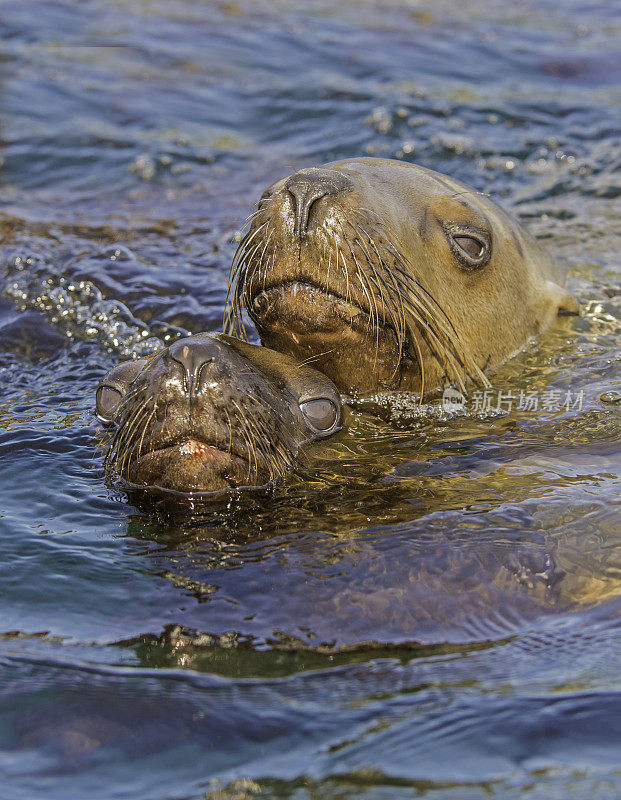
x,y
429,608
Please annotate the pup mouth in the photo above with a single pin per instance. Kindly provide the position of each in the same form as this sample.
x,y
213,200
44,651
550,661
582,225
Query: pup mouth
x,y
191,466
194,449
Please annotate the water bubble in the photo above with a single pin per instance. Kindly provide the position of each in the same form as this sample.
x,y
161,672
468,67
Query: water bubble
x,y
380,119
81,308
144,167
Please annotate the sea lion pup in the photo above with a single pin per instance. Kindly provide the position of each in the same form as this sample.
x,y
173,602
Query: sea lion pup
x,y
390,276
211,413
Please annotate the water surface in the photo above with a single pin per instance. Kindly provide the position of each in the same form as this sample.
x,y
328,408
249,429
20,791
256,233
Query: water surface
x,y
429,608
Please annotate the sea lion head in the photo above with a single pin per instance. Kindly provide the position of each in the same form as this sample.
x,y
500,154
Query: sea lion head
x,y
212,413
391,276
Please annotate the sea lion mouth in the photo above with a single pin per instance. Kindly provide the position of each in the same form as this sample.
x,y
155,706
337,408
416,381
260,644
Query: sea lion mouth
x,y
191,466
197,450
321,326
326,312
330,308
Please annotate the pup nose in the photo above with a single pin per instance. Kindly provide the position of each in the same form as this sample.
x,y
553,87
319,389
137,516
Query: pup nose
x,y
309,185
193,354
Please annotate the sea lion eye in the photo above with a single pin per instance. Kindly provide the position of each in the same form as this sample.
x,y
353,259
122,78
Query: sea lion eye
x,y
113,389
321,414
107,401
471,247
264,198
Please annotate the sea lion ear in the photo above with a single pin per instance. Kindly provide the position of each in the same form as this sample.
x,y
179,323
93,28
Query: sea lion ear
x,y
566,303
113,388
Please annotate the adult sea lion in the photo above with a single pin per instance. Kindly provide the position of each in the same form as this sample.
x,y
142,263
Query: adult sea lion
x,y
390,276
211,413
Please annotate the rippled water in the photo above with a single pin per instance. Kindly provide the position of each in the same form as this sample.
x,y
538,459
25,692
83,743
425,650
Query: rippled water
x,y
431,607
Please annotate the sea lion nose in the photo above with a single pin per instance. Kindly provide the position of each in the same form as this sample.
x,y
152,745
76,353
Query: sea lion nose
x,y
309,185
193,355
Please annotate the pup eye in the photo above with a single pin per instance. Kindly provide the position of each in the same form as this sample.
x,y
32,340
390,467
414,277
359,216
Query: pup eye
x,y
113,388
107,401
264,197
321,414
471,246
